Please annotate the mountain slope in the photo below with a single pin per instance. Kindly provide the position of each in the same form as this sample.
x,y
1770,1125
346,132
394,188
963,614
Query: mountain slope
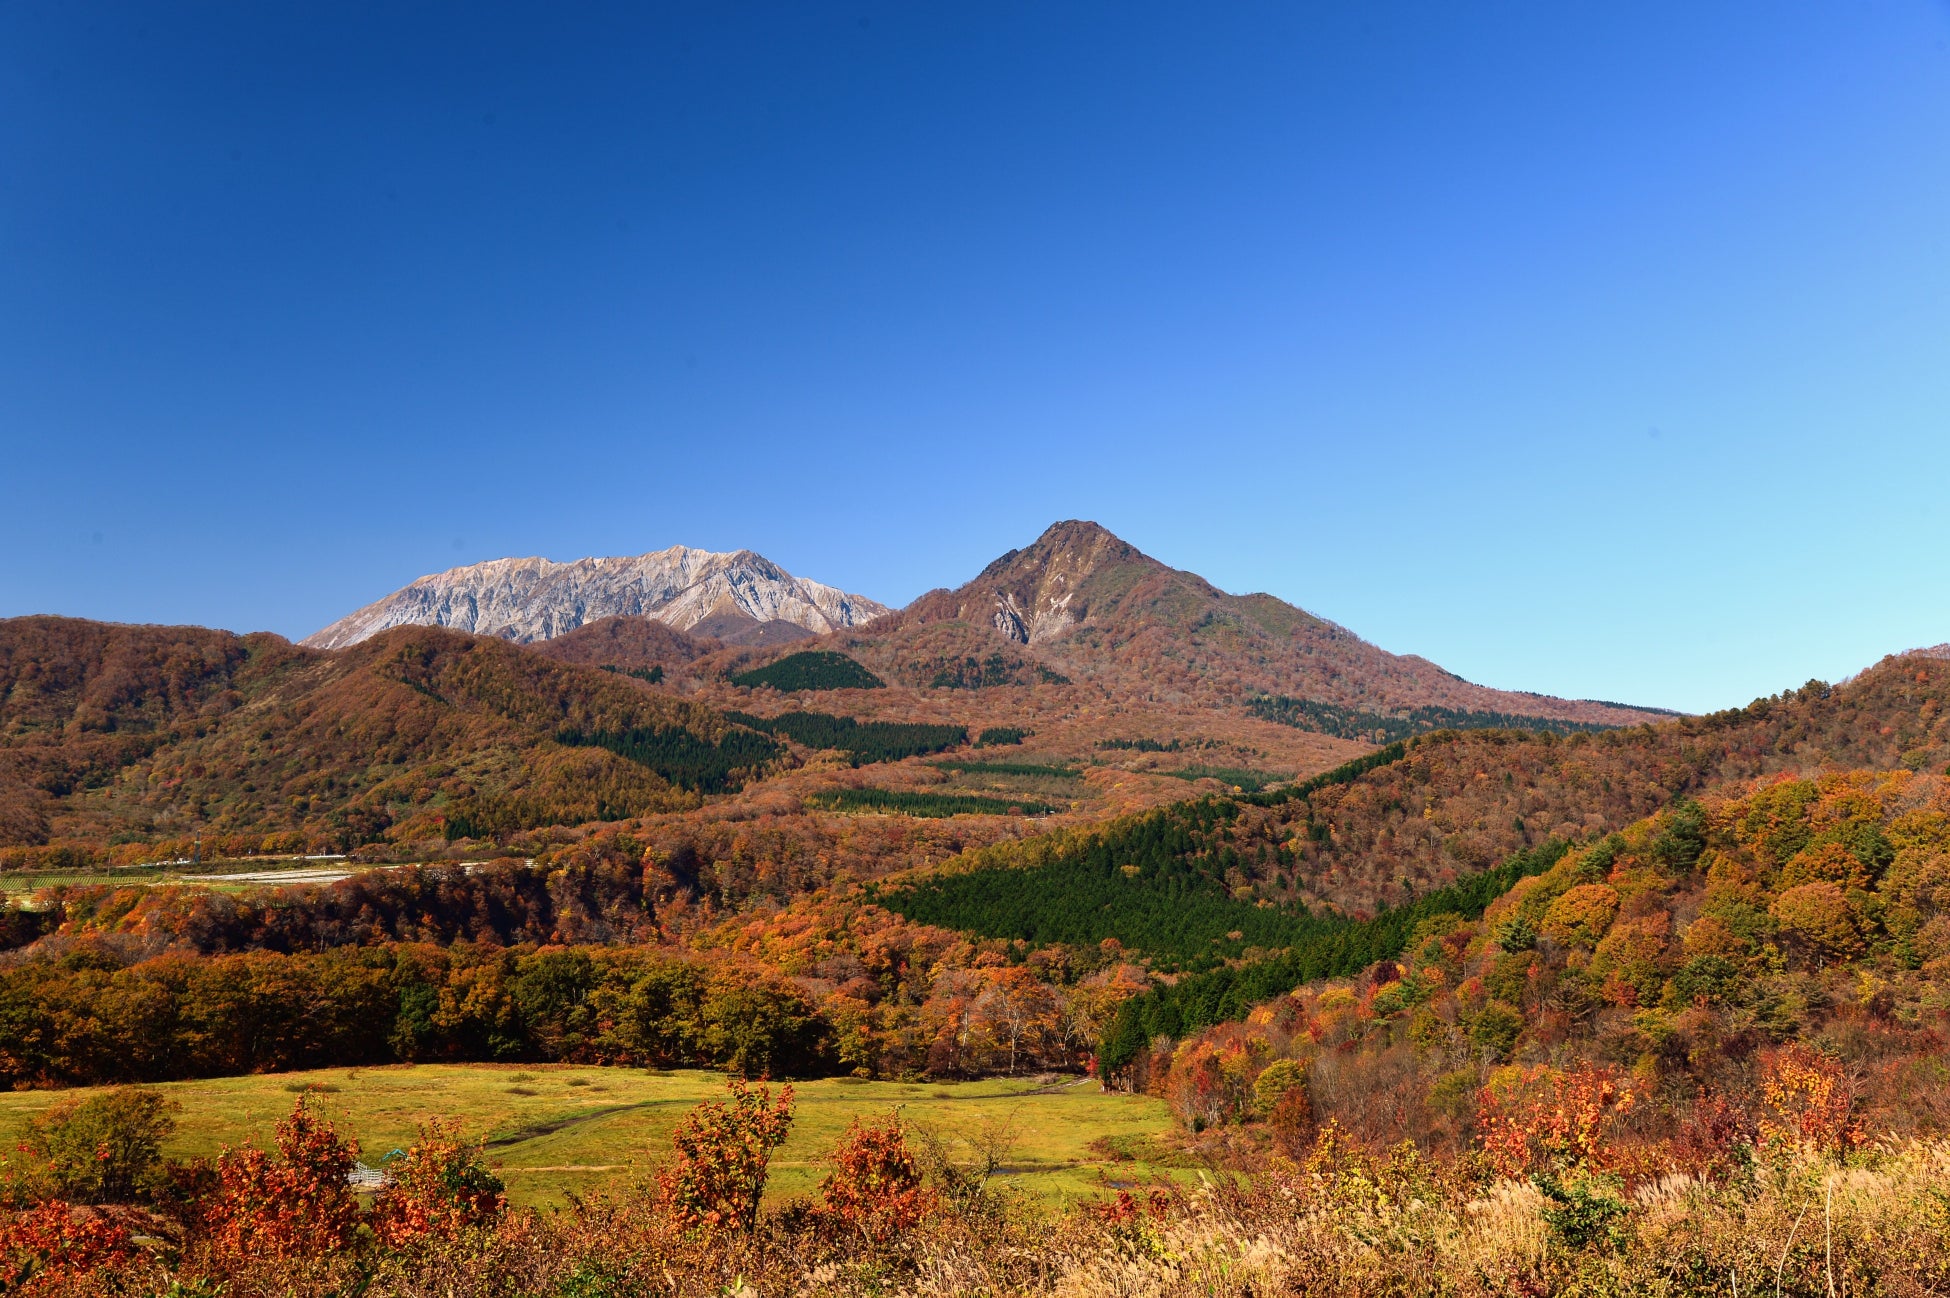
x,y
526,600
148,732
1439,810
1687,946
625,643
1082,604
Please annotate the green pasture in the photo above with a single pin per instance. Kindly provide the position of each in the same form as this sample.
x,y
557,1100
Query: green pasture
x,y
556,1130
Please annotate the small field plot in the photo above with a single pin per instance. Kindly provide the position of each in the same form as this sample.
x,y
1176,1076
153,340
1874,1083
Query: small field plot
x,y
556,1130
218,876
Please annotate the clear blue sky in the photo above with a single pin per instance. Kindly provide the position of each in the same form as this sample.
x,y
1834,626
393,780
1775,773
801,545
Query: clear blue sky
x,y
1595,349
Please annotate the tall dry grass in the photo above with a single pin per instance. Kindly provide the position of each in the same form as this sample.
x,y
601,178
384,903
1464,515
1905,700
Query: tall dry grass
x,y
1791,1221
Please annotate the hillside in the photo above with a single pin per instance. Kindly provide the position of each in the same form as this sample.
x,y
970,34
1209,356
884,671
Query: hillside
x,y
1081,606
725,596
1416,818
626,643
1777,948
111,733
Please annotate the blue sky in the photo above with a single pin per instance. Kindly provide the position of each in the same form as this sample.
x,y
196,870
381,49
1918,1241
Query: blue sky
x,y
1599,350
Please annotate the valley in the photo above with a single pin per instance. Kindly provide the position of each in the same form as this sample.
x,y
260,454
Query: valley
x,y
1186,883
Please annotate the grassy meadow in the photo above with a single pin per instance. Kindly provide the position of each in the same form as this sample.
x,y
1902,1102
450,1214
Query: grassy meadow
x,y
556,1130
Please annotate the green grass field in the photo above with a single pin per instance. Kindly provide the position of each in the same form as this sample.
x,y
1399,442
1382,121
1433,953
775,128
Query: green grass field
x,y
553,1130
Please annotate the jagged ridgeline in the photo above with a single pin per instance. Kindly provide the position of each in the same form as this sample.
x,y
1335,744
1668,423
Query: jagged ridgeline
x,y
863,742
1376,727
814,669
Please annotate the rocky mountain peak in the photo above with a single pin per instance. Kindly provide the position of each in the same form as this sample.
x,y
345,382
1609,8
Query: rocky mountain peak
x,y
1045,589
532,599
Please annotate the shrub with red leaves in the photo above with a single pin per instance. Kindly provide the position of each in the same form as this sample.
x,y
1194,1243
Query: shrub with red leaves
x,y
1809,1098
722,1151
875,1189
1541,1119
296,1204
54,1243
1711,1140
439,1189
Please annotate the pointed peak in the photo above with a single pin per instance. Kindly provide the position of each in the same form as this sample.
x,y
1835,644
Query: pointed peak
x,y
1077,544
1075,535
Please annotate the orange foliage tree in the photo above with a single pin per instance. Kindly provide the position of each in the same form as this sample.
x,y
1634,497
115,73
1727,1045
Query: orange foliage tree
x,y
722,1152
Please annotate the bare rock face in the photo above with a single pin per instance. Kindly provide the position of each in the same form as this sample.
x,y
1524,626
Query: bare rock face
x,y
525,600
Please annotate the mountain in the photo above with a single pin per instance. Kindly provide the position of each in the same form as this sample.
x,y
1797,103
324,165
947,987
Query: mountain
x,y
1081,604
729,597
144,732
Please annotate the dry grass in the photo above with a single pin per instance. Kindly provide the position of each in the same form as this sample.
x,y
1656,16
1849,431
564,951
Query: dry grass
x,y
1344,1223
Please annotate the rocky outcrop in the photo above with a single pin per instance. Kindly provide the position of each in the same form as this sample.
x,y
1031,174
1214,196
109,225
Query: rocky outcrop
x,y
525,600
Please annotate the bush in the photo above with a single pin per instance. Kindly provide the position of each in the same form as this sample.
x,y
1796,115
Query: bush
x,y
722,1152
56,1245
439,1189
1292,1122
104,1149
1808,1099
296,1205
875,1189
1540,1119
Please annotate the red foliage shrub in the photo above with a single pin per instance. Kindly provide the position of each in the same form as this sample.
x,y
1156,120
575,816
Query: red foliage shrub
x,y
875,1189
1127,1207
1808,1098
438,1190
53,1243
1709,1141
1292,1122
1541,1119
300,1203
722,1153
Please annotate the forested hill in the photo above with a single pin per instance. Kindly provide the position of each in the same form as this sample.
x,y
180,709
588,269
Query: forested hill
x,y
1208,880
1805,919
143,732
